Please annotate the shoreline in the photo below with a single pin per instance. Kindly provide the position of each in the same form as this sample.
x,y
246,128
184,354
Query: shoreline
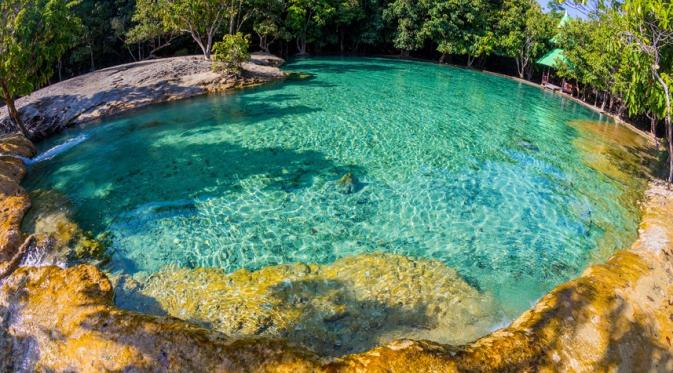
x,y
587,105
121,88
617,312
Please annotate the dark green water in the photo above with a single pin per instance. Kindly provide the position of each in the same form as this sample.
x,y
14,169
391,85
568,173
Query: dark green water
x,y
474,170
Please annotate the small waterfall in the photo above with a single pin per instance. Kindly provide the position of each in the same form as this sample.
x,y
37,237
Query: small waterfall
x,y
56,150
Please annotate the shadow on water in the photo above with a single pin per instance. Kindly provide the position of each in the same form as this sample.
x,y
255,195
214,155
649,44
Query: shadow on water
x,y
253,109
127,297
323,315
159,162
348,325
339,67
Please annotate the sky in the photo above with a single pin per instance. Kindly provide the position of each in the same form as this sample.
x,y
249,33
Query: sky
x,y
572,12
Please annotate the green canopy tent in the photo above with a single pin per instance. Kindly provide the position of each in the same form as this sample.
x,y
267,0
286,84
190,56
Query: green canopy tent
x,y
564,21
554,59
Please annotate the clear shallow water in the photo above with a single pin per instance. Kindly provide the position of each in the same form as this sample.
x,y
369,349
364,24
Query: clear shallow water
x,y
474,170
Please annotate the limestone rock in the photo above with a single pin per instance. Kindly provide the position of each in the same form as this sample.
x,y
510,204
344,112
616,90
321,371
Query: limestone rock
x,y
13,199
62,320
17,145
267,59
351,305
119,88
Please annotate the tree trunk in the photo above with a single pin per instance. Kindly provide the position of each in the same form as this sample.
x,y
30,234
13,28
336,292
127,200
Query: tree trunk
x,y
669,135
595,97
470,60
93,66
341,39
605,101
209,45
13,113
301,45
653,127
519,67
263,45
667,120
204,49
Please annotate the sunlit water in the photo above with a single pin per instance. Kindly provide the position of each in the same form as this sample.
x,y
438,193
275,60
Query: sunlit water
x,y
477,171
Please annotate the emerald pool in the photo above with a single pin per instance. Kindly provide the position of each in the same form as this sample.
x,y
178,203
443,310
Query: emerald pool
x,y
477,171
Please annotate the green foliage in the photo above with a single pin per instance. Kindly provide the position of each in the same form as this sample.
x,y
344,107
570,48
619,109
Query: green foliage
x,y
33,35
269,24
149,22
524,32
201,19
306,18
457,26
409,17
232,51
649,33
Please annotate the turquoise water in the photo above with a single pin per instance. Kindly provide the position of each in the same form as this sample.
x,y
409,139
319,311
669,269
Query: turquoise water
x,y
474,170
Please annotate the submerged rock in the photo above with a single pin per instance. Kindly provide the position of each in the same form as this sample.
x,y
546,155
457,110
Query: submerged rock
x,y
61,239
351,305
348,183
299,76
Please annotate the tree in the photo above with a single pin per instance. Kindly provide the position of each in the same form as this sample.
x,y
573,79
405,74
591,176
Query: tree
x,y
305,17
347,12
457,26
33,35
95,16
268,24
650,32
149,29
201,19
524,32
408,16
596,55
641,92
369,29
232,51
